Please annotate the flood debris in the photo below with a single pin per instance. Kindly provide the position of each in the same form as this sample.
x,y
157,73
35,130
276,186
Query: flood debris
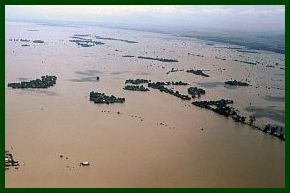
x,y
101,98
10,161
44,82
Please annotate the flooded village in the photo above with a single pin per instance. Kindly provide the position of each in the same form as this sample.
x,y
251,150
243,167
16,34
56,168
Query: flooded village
x,y
96,106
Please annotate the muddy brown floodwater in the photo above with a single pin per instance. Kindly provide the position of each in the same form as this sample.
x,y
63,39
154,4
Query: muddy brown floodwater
x,y
156,139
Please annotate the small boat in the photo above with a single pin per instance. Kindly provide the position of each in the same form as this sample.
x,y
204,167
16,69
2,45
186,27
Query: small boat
x,y
85,163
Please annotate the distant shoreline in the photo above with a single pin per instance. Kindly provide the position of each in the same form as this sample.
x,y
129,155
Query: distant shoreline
x,y
260,43
252,46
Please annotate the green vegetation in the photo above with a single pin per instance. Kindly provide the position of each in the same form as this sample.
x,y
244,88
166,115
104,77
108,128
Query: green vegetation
x,y
135,88
236,83
178,83
247,62
275,131
82,35
221,107
194,91
197,72
86,43
101,98
174,70
160,86
128,56
38,41
158,59
137,81
24,40
115,39
44,82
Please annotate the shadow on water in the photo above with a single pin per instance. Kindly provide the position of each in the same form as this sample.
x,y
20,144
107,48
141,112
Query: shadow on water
x,y
91,75
23,79
126,72
36,91
120,72
274,98
230,87
85,79
86,76
267,112
210,84
279,74
88,72
142,73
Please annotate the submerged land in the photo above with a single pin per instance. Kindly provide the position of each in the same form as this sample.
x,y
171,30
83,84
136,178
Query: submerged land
x,y
93,107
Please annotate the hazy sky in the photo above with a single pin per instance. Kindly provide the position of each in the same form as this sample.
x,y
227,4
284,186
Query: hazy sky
x,y
240,18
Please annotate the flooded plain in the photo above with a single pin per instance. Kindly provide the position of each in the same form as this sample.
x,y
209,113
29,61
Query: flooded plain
x,y
153,139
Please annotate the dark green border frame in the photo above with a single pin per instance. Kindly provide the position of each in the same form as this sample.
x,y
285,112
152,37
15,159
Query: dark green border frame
x,y
145,2
135,2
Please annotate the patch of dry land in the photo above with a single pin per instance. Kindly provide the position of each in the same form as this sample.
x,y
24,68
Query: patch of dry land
x,y
63,136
